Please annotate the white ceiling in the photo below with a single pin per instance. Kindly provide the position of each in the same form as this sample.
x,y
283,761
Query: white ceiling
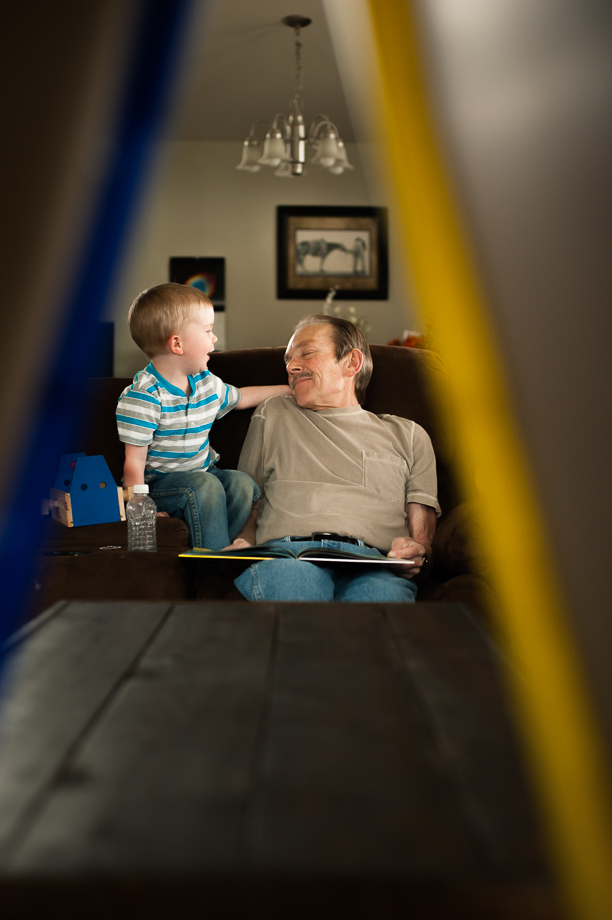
x,y
239,68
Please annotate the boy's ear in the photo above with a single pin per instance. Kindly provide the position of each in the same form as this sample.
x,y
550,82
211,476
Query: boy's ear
x,y
175,346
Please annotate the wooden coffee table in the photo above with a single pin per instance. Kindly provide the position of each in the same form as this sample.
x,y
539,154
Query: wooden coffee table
x,y
286,758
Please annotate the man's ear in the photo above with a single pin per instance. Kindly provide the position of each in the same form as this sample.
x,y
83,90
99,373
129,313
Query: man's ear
x,y
354,361
175,346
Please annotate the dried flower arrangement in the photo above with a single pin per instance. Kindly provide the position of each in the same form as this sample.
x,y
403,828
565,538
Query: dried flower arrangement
x,y
349,312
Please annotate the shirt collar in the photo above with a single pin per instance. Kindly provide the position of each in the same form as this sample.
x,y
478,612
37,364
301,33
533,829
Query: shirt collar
x,y
176,391
344,410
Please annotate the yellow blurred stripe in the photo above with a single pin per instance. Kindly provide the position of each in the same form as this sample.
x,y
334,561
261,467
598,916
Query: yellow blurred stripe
x,y
555,712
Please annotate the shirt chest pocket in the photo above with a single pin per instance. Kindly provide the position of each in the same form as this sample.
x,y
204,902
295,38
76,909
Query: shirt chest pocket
x,y
386,474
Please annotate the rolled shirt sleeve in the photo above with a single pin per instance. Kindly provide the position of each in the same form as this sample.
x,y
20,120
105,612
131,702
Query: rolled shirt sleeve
x,y
422,487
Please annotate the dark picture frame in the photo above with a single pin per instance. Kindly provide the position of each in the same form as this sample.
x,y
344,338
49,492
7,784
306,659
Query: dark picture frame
x,y
207,273
323,247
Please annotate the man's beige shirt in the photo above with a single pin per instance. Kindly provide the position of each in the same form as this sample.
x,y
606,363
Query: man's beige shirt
x,y
341,470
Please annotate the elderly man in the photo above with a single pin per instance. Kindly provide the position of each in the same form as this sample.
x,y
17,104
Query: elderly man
x,y
333,475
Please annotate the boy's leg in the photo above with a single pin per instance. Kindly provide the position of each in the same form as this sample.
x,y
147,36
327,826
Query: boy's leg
x,y
240,493
198,498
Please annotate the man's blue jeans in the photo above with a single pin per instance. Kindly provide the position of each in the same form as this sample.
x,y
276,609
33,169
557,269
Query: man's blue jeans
x,y
291,580
215,504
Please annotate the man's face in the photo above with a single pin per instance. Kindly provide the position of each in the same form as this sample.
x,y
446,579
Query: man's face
x,y
198,339
316,379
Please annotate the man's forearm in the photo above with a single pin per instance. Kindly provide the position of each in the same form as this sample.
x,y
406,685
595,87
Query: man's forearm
x,y
421,520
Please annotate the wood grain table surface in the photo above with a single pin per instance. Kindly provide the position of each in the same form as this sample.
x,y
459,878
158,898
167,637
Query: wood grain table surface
x,y
293,759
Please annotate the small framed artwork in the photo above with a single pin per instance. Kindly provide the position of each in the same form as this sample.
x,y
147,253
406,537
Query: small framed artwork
x,y
323,247
208,275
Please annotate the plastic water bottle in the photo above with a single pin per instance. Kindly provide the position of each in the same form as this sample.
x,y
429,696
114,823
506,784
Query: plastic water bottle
x,y
140,512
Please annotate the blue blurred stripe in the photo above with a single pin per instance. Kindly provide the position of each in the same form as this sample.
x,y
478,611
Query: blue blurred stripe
x,y
156,45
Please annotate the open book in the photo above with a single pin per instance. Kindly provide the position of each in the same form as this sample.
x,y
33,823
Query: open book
x,y
284,551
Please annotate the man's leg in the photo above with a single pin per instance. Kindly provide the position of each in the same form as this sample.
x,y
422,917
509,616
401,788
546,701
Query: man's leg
x,y
240,493
286,580
371,584
293,580
198,498
375,585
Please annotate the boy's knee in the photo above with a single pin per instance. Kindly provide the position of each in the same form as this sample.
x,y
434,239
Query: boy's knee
x,y
248,487
240,485
207,485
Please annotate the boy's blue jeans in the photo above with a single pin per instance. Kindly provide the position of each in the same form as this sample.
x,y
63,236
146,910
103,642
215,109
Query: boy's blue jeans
x,y
215,504
291,580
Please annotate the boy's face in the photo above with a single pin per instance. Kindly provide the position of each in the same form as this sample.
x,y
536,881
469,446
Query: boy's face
x,y
198,340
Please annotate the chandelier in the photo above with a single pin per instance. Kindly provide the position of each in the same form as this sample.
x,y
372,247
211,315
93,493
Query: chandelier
x,y
284,148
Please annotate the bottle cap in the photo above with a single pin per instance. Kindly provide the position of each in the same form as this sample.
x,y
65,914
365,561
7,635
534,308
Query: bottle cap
x,y
140,489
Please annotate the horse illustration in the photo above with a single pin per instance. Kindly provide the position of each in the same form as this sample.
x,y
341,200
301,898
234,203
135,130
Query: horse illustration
x,y
359,250
319,249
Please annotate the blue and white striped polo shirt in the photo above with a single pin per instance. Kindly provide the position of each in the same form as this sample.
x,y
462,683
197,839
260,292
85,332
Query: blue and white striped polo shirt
x,y
153,412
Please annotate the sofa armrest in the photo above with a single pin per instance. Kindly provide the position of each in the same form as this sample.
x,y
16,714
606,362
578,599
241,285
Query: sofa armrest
x,y
172,535
453,544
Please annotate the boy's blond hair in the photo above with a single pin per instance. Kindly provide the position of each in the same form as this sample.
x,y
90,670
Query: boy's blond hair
x,y
162,311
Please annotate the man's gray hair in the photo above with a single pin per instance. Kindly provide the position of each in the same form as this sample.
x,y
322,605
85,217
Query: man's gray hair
x,y
346,337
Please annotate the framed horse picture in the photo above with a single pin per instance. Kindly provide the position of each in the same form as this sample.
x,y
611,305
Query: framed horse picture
x,y
323,247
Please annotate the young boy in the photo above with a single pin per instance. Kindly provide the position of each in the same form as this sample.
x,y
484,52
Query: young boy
x,y
165,416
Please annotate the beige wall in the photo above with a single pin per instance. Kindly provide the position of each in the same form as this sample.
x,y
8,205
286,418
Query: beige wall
x,y
199,205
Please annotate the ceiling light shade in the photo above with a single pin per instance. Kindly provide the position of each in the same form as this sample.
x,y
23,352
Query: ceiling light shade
x,y
342,162
286,149
342,157
327,150
274,149
251,152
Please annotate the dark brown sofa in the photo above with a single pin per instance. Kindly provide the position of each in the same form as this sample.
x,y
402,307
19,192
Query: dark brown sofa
x,y
398,386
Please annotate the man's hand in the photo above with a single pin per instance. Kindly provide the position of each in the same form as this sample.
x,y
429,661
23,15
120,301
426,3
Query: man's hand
x,y
405,548
422,527
246,537
238,543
